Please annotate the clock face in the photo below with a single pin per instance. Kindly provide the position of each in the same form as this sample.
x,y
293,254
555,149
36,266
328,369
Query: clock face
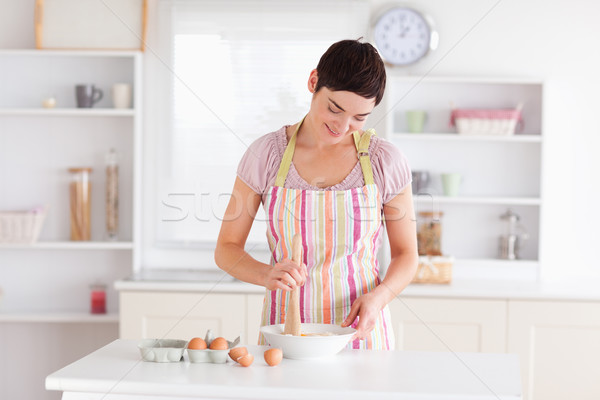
x,y
402,36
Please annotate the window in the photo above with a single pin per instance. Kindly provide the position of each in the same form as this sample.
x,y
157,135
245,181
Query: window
x,y
233,71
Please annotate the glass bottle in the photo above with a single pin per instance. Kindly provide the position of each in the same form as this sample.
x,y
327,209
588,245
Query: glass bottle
x,y
80,191
112,194
429,233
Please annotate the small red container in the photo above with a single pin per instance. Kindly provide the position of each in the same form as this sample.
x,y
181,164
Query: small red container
x,y
98,299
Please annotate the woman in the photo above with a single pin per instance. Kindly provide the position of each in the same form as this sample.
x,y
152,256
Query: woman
x,y
333,183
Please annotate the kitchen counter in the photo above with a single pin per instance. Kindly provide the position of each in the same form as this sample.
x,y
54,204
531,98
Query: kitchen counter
x,y
219,282
117,372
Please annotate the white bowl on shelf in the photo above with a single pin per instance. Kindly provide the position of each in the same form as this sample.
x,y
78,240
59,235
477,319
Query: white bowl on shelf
x,y
309,347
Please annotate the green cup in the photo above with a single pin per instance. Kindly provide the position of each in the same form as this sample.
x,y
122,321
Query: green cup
x,y
451,184
415,120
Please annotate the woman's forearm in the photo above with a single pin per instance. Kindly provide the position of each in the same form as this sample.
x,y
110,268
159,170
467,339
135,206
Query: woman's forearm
x,y
400,272
234,260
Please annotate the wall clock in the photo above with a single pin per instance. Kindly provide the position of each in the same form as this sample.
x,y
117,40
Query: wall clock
x,y
403,35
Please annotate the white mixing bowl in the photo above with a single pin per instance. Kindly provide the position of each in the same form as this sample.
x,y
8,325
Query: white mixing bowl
x,y
307,347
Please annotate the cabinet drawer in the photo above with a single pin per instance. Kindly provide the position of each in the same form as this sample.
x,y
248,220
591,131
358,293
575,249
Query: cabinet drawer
x,y
559,347
449,325
181,315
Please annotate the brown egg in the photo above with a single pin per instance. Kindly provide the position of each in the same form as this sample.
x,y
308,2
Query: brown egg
x,y
197,344
273,356
246,361
219,344
237,352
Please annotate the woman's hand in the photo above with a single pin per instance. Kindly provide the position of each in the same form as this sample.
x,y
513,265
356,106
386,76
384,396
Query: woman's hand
x,y
367,308
286,275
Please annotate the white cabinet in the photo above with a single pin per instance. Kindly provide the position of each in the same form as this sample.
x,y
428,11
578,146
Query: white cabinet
x,y
37,146
44,310
557,341
35,346
187,315
559,348
254,304
498,172
455,325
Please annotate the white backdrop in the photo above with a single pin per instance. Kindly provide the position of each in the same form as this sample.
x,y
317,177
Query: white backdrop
x,y
555,41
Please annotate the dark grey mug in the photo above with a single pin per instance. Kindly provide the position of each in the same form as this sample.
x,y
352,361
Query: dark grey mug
x,y
420,181
87,95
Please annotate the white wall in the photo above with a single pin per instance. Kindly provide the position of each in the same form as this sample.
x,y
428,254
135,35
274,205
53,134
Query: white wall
x,y
556,41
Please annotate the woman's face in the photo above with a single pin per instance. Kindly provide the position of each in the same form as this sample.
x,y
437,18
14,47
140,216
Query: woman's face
x,y
337,114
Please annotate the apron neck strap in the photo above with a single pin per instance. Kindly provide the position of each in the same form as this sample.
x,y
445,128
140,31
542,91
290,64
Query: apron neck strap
x,y
362,147
286,160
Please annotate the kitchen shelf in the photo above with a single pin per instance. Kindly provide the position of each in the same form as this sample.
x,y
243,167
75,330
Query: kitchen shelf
x,y
41,144
400,76
497,171
70,317
495,268
69,53
481,262
452,136
67,112
520,201
67,245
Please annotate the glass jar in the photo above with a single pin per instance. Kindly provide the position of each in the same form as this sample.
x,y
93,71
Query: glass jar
x,y
112,195
98,298
80,191
429,233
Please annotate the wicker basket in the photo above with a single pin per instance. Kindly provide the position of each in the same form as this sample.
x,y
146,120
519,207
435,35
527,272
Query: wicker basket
x,y
21,226
434,269
486,121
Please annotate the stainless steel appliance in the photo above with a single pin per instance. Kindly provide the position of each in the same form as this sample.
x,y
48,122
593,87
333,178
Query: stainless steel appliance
x,y
512,242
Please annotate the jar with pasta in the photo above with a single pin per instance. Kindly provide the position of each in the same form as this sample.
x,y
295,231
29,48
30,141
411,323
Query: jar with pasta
x,y
429,233
80,191
112,195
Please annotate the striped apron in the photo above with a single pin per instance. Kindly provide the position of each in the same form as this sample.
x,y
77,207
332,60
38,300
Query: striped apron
x,y
341,233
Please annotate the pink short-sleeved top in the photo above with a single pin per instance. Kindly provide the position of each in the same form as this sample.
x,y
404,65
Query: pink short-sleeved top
x,y
259,165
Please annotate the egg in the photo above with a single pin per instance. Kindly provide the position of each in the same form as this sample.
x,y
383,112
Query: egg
x,y
197,344
219,344
237,352
246,361
273,356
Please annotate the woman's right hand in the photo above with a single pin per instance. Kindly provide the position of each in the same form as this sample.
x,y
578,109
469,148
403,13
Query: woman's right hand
x,y
286,275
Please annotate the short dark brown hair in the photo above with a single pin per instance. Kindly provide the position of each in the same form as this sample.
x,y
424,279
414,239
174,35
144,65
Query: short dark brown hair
x,y
354,67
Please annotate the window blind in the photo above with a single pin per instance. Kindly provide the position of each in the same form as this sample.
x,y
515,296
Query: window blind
x,y
238,70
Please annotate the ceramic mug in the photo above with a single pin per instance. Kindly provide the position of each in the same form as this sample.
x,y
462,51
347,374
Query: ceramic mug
x,y
451,184
87,95
415,120
121,95
420,181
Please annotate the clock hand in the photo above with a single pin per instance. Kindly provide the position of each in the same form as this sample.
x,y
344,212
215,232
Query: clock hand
x,y
404,32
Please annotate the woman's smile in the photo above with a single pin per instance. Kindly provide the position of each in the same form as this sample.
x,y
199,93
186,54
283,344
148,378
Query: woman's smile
x,y
334,133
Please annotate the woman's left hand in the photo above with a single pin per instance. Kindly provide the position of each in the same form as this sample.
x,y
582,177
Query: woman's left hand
x,y
367,308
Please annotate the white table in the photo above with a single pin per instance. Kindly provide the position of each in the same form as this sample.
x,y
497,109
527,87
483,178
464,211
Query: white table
x,y
116,372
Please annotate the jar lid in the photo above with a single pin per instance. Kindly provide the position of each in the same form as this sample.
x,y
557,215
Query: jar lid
x,y
431,213
80,169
